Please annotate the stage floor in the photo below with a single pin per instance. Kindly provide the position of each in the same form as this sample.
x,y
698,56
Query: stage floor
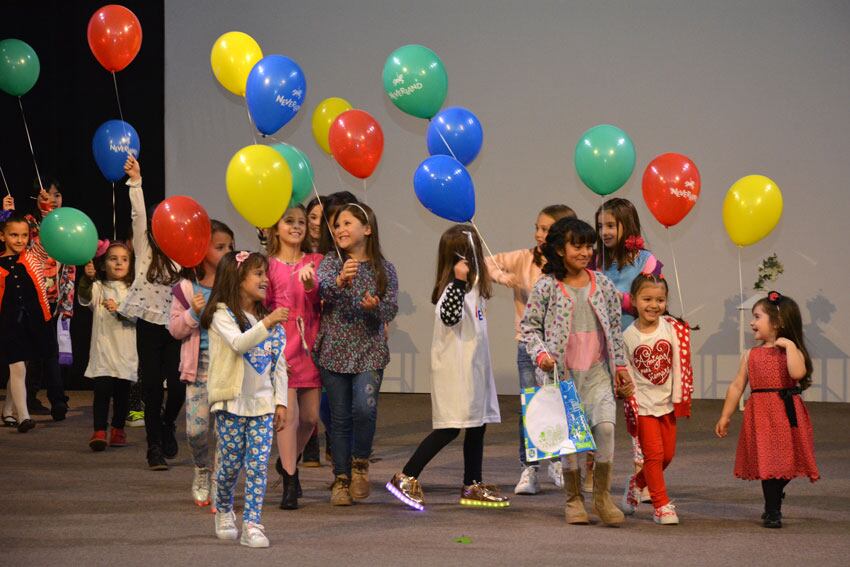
x,y
64,505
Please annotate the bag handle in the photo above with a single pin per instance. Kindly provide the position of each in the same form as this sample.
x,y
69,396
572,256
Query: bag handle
x,y
556,377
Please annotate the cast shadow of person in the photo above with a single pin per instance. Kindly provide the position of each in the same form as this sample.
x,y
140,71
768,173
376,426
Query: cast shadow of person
x,y
403,348
822,351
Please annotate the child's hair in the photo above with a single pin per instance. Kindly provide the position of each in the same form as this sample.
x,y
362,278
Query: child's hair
x,y
572,230
557,212
215,226
228,278
273,242
161,270
14,216
784,314
373,244
454,243
332,204
625,215
100,263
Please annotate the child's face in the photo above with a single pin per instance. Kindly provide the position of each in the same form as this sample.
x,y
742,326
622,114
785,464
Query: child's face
x,y
314,221
292,228
651,302
609,229
253,286
349,231
220,244
55,196
541,228
117,263
577,256
16,235
763,329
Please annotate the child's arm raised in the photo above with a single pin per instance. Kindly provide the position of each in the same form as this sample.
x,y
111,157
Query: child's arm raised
x,y
138,215
451,309
794,358
241,342
85,291
733,394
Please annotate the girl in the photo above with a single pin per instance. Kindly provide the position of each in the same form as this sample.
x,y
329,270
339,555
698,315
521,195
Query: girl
x,y
776,443
623,258
573,320
149,302
113,364
246,387
360,295
463,391
520,270
658,348
292,286
315,209
190,298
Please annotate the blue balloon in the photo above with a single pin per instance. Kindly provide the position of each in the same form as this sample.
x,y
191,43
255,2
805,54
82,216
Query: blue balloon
x,y
444,187
460,129
112,142
274,92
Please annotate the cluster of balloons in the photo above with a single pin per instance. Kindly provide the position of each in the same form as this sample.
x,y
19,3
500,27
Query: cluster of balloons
x,y
352,136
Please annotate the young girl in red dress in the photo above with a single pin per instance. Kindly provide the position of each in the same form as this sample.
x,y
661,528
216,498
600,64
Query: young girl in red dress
x,y
776,442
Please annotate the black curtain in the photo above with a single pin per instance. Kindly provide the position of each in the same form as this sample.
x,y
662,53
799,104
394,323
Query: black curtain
x,y
73,96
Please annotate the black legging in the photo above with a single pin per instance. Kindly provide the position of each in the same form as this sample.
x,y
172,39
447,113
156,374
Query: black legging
x,y
772,489
107,388
159,357
473,452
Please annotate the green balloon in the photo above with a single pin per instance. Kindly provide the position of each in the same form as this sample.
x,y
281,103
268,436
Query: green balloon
x,y
69,236
302,171
19,67
604,158
415,80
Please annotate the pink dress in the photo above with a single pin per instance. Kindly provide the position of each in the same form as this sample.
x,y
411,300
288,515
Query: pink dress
x,y
286,290
768,446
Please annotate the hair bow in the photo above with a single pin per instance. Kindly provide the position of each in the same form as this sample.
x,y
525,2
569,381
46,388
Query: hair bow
x,y
774,297
241,256
102,247
634,243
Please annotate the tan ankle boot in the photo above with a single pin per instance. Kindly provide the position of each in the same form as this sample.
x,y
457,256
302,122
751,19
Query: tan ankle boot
x,y
340,493
574,507
603,506
360,487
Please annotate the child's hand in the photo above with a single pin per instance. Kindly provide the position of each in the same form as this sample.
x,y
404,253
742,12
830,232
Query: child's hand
x,y
461,270
785,344
132,168
547,363
8,203
349,270
279,418
307,275
44,204
198,303
625,387
110,305
370,302
279,315
722,427
90,271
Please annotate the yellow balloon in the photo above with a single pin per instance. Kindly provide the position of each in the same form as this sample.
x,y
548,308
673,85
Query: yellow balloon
x,y
233,56
752,209
324,116
259,184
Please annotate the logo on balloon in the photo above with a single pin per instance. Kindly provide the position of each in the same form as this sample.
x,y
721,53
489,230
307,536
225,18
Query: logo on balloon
x,y
404,91
288,102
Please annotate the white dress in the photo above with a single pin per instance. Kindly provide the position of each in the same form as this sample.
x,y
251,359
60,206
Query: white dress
x,y
463,390
113,337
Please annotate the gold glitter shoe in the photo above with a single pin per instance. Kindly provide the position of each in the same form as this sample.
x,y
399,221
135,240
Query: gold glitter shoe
x,y
483,496
408,490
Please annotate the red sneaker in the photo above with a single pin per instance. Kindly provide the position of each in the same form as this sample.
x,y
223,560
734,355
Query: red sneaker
x,y
98,440
117,438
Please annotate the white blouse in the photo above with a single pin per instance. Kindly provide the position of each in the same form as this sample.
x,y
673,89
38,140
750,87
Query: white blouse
x,y
113,337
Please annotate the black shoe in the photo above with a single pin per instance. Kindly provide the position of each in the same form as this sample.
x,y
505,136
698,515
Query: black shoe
x,y
311,453
278,466
35,407
25,425
156,460
772,519
58,411
169,441
290,491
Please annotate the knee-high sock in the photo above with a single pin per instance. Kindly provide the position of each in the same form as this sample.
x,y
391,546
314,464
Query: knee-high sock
x,y
17,390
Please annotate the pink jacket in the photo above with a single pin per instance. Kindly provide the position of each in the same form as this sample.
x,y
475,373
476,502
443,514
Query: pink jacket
x,y
183,326
519,272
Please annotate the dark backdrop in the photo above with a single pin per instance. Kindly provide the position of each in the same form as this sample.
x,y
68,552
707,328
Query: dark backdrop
x,y
72,97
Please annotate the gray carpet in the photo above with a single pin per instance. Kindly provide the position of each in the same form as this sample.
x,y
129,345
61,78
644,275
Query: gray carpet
x,y
64,505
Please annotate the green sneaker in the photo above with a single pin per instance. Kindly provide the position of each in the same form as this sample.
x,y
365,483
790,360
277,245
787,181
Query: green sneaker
x,y
136,419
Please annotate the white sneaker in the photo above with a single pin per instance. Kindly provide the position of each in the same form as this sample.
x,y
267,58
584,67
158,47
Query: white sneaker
x,y
666,515
528,483
225,525
201,486
556,473
253,536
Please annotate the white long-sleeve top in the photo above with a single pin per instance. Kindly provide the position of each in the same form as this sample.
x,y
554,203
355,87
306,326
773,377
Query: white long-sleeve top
x,y
113,337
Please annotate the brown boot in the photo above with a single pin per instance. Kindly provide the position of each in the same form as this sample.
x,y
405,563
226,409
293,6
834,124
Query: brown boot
x,y
603,506
360,487
574,508
340,491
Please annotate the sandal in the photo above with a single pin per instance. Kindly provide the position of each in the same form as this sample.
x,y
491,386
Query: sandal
x,y
10,421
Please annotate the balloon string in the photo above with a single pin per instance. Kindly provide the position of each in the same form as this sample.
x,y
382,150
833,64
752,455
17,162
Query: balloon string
x,y
120,112
6,185
29,141
676,273
446,143
327,222
740,278
251,122
487,248
365,196
114,222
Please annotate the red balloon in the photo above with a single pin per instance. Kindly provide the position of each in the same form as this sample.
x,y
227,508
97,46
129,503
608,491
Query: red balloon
x,y
181,228
356,142
671,187
115,36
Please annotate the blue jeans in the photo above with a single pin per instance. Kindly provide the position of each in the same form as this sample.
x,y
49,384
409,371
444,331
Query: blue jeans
x,y
353,399
525,369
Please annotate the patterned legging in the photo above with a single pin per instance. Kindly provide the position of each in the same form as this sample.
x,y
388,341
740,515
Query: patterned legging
x,y
198,415
243,442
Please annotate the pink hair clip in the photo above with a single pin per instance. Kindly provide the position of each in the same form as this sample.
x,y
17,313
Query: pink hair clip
x,y
241,256
102,247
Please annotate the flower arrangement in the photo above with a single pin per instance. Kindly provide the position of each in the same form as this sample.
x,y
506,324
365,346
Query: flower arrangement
x,y
769,271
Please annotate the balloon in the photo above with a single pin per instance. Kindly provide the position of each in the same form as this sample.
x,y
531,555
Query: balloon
x,y
444,187
323,118
181,228
69,236
751,209
604,158
259,184
356,142
274,92
19,67
460,129
233,56
112,142
415,80
671,187
302,171
115,36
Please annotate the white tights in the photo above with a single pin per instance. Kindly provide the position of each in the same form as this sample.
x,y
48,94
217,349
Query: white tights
x,y
16,391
